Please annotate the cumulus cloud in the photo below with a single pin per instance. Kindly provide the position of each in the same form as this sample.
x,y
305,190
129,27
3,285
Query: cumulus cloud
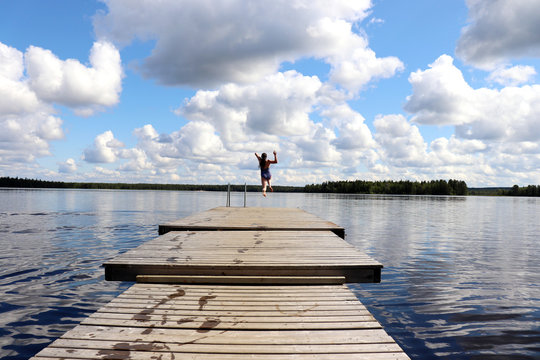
x,y
15,95
316,149
25,137
512,76
69,166
138,160
68,82
500,30
454,151
105,149
27,124
353,132
404,154
279,105
495,138
154,146
32,83
438,92
198,141
279,112
442,97
207,43
401,143
225,126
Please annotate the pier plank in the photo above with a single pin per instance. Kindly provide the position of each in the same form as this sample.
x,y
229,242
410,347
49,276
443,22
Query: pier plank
x,y
228,218
220,294
212,329
246,253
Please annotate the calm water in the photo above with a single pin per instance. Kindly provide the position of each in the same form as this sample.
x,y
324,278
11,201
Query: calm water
x,y
461,277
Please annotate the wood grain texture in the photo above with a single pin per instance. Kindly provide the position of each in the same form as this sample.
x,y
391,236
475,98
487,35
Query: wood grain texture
x,y
228,322
233,218
193,301
254,253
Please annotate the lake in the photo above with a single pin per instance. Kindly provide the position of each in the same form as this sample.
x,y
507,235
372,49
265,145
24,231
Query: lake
x,y
461,277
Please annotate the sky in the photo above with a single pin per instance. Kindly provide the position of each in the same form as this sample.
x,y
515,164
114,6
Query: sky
x,y
186,92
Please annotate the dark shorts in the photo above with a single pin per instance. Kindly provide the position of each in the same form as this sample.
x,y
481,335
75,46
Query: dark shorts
x,y
265,174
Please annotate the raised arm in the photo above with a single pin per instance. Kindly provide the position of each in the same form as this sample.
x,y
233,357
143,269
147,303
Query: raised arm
x,y
275,158
258,157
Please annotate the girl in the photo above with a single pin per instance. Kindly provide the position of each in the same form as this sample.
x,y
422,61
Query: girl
x,y
264,164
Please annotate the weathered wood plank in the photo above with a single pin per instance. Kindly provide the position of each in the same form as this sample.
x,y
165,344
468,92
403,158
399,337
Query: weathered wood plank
x,y
279,292
227,218
194,320
246,253
263,337
194,279
215,323
327,290
145,355
233,318
218,322
238,348
267,314
352,274
240,307
273,242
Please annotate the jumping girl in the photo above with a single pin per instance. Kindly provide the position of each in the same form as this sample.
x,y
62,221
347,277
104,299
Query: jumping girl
x,y
264,164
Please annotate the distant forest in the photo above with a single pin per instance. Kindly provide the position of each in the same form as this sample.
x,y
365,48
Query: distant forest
x,y
34,183
434,187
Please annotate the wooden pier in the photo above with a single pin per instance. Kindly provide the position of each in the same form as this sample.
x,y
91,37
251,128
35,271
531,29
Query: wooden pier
x,y
236,283
250,218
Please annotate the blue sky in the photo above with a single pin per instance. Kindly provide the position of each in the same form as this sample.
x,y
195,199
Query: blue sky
x,y
187,91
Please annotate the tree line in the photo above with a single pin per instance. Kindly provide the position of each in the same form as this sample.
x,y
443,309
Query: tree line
x,y
35,183
530,190
403,187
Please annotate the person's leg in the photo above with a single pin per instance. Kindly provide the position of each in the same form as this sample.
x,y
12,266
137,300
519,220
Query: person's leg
x,y
264,182
270,185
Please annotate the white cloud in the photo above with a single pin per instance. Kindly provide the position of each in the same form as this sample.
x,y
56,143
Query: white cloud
x,y
442,97
438,92
15,95
195,142
316,149
68,166
401,143
353,132
277,113
198,141
26,123
207,43
496,130
512,76
105,149
32,83
454,151
500,30
375,20
23,138
107,173
70,83
155,146
138,160
279,105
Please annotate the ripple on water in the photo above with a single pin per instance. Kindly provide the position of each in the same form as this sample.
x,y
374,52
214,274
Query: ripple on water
x,y
461,277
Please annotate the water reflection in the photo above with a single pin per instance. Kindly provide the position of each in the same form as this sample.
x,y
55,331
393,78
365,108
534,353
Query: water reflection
x,y
54,242
461,276
454,271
